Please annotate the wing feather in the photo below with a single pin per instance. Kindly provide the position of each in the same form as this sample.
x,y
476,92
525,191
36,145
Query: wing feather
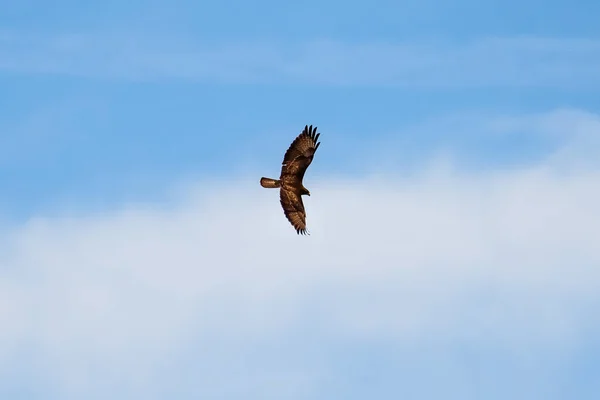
x,y
300,154
293,208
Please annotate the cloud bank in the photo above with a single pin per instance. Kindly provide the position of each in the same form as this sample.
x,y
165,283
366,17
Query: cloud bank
x,y
214,296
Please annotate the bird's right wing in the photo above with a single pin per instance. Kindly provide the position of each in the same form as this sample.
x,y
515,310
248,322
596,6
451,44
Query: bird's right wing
x,y
293,208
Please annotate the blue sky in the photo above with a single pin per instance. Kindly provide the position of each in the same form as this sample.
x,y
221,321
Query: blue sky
x,y
453,212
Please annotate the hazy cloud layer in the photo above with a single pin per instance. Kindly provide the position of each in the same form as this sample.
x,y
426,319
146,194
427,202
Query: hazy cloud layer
x,y
215,295
493,61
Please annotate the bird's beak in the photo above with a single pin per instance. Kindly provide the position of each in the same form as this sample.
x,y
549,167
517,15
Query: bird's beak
x,y
308,193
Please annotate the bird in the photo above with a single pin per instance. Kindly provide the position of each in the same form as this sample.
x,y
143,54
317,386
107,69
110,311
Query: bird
x,y
296,160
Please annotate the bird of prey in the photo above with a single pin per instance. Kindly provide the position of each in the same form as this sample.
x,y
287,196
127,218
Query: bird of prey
x,y
296,160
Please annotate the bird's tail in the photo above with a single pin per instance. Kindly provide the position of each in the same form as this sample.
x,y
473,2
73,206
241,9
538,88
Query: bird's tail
x,y
270,183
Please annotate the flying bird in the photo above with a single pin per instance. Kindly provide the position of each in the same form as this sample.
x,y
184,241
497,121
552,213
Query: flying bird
x,y
296,160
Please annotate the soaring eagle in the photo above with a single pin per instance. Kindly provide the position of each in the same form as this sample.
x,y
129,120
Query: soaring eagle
x,y
296,160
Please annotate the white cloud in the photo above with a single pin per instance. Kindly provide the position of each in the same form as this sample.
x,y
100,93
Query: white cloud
x,y
507,258
505,61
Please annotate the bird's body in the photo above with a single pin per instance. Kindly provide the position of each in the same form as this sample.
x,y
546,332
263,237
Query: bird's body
x,y
296,160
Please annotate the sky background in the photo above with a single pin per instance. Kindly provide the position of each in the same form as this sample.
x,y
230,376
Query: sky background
x,y
454,210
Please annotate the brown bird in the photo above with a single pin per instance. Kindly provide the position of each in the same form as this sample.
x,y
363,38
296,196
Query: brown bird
x,y
296,160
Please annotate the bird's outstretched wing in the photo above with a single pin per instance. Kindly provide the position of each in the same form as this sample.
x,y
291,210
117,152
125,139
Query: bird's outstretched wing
x,y
300,154
293,208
